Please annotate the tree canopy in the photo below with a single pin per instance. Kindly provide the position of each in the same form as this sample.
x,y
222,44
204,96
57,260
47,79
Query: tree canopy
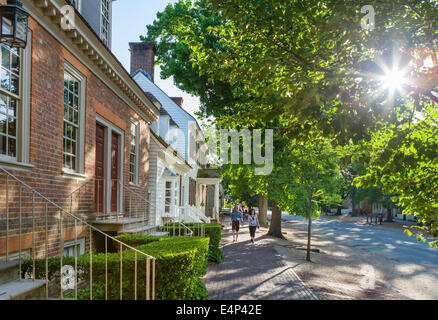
x,y
309,66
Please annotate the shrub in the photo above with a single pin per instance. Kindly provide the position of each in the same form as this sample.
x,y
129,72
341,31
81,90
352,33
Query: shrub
x,y
180,262
214,255
212,231
199,291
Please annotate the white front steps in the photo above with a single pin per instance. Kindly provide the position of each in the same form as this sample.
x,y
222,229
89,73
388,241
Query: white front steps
x,y
159,234
138,230
12,288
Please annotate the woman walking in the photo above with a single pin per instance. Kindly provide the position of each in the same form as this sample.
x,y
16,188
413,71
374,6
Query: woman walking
x,y
253,223
236,217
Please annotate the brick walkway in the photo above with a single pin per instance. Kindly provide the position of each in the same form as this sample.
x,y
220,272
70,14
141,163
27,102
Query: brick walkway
x,y
253,272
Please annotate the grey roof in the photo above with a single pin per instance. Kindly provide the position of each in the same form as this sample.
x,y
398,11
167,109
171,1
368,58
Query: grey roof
x,y
142,71
209,173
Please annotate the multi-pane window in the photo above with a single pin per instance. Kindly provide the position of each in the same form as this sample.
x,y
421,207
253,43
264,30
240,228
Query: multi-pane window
x,y
133,154
71,122
9,99
176,194
69,247
105,21
168,196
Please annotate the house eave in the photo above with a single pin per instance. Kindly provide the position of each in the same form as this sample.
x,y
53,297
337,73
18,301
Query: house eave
x,y
87,47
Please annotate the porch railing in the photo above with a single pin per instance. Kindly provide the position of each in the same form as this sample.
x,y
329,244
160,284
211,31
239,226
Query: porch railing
x,y
176,219
134,205
94,193
44,236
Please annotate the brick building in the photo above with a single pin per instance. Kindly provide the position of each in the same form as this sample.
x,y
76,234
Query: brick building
x,y
74,134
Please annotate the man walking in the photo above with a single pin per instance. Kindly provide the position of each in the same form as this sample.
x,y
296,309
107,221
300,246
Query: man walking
x,y
236,217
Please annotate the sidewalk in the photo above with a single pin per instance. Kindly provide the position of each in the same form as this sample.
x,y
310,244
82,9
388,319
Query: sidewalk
x,y
253,272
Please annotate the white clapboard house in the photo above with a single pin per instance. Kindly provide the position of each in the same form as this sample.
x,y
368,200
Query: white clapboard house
x,y
181,186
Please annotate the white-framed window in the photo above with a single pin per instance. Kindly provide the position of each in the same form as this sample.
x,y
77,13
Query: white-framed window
x,y
10,100
15,66
105,21
167,196
73,121
69,247
133,152
176,193
171,195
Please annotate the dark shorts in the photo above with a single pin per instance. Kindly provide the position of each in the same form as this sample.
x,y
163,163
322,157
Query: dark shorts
x,y
252,231
235,225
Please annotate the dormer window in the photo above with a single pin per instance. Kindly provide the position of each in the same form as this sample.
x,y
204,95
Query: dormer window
x,y
105,21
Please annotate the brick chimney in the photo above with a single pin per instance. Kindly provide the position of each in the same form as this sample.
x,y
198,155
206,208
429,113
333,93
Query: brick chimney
x,y
143,57
178,101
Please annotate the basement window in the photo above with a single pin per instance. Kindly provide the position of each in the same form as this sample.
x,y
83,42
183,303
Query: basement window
x,y
69,247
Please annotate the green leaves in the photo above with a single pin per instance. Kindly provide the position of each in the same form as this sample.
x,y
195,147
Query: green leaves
x,y
404,162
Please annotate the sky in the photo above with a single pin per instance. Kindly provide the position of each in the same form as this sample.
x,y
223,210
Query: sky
x,y
130,18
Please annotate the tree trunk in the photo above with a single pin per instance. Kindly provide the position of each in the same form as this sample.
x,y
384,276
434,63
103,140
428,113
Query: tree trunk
x,y
275,226
353,202
309,230
388,215
263,211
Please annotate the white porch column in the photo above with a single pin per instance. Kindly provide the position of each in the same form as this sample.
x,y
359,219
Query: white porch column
x,y
216,200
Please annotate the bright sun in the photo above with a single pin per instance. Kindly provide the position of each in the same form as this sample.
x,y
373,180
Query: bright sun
x,y
394,79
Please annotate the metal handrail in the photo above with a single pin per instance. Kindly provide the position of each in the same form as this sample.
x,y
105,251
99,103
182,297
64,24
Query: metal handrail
x,y
76,219
72,215
147,201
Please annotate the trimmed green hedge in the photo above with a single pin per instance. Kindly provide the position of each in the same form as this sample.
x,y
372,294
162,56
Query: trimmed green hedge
x,y
212,231
180,263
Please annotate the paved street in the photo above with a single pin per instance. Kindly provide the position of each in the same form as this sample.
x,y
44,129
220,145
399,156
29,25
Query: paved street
x,y
373,238
398,262
253,272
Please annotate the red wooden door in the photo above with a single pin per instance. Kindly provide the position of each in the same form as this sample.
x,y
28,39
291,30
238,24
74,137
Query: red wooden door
x,y
99,169
114,171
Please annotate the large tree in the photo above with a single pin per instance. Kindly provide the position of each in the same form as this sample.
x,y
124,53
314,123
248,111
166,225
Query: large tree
x,y
404,162
316,179
313,60
310,63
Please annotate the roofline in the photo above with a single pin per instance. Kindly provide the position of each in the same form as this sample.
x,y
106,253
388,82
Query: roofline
x,y
166,145
136,72
125,82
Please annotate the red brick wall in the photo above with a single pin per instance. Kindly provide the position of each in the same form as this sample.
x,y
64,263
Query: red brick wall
x,y
47,89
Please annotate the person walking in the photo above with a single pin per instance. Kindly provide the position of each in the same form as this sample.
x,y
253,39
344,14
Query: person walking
x,y
236,217
253,223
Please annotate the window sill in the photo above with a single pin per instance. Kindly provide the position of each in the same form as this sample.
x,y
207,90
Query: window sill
x,y
134,184
15,165
73,175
